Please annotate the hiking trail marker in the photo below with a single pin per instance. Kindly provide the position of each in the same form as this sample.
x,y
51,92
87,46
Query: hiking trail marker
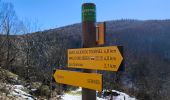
x,y
90,57
98,58
87,80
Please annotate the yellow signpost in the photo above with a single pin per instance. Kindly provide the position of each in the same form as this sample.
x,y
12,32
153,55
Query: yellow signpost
x,y
98,58
87,80
108,58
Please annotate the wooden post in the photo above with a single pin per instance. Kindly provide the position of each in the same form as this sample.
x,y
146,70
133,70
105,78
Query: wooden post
x,y
89,40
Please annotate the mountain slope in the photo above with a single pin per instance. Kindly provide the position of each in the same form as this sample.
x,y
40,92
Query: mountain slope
x,y
146,49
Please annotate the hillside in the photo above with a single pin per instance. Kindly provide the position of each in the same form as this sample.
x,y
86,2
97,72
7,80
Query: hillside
x,y
146,49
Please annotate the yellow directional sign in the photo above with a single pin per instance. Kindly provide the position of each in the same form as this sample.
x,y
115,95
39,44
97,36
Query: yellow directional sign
x,y
86,80
98,58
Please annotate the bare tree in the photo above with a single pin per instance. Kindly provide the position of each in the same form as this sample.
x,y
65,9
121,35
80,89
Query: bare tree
x,y
27,48
9,25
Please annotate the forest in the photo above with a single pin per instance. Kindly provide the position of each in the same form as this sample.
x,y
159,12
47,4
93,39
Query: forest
x,y
34,55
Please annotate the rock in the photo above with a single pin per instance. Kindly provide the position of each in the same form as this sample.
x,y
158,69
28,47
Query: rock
x,y
35,85
44,90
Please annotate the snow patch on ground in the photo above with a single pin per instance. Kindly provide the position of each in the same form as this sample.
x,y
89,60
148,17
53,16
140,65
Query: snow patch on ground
x,y
17,91
71,97
18,87
122,96
74,96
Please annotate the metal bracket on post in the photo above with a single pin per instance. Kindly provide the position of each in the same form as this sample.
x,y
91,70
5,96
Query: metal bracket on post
x,y
100,33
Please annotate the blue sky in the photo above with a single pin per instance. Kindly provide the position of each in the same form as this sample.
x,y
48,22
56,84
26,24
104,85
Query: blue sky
x,y
56,13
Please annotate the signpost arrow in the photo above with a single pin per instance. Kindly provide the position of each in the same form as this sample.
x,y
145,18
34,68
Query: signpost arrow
x,y
98,58
87,80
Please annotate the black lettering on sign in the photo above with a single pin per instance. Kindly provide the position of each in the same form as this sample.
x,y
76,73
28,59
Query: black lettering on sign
x,y
98,58
71,52
70,58
109,58
79,52
95,51
106,51
112,51
75,64
109,66
91,81
109,51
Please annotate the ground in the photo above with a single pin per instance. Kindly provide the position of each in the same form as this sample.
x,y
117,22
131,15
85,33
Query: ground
x,y
14,88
